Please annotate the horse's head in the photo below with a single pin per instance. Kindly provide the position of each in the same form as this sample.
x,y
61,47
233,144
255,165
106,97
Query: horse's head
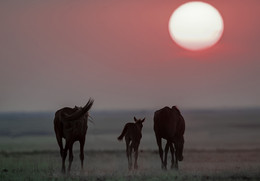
x,y
139,122
179,148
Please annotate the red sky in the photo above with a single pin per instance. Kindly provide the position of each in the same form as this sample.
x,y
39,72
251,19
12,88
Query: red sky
x,y
60,53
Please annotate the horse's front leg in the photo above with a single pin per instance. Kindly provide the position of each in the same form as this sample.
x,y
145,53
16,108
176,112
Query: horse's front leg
x,y
130,156
136,155
127,141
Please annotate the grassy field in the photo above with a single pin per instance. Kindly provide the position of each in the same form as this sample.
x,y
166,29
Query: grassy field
x,y
219,145
112,165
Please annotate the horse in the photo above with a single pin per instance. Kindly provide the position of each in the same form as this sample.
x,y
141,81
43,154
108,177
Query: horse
x,y
170,125
133,134
71,124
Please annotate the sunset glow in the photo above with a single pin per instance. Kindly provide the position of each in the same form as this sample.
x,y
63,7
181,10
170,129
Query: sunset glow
x,y
59,53
196,26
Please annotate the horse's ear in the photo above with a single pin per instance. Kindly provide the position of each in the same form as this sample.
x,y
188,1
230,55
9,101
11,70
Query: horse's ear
x,y
135,119
143,120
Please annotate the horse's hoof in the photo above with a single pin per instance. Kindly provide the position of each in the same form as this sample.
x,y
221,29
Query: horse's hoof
x,y
164,167
174,167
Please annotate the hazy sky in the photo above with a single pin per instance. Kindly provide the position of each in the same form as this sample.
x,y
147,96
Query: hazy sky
x,y
60,53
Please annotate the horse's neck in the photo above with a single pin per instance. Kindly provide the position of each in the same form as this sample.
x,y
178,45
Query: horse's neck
x,y
139,128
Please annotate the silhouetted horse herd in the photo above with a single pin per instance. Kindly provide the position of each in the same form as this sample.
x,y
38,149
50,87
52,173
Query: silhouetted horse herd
x,y
72,124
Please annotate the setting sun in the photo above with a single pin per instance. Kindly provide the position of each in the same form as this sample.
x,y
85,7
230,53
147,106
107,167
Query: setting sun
x,y
196,26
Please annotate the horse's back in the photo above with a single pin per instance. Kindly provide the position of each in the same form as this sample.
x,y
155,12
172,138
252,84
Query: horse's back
x,y
164,117
166,123
133,132
69,128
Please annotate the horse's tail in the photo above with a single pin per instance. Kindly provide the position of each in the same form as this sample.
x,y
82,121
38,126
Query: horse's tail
x,y
88,105
78,113
123,133
177,109
58,132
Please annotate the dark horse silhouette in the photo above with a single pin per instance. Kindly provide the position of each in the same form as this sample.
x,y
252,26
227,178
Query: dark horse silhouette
x,y
71,124
133,135
170,125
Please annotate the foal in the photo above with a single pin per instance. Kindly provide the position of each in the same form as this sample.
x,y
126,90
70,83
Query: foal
x,y
133,135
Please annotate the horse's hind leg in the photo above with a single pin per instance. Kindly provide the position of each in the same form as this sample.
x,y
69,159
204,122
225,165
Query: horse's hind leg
x,y
176,161
172,153
70,157
166,154
82,143
127,141
159,143
64,155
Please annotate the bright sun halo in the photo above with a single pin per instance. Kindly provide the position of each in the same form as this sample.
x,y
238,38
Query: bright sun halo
x,y
196,25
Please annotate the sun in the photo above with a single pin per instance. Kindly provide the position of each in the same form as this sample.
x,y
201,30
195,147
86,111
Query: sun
x,y
196,26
